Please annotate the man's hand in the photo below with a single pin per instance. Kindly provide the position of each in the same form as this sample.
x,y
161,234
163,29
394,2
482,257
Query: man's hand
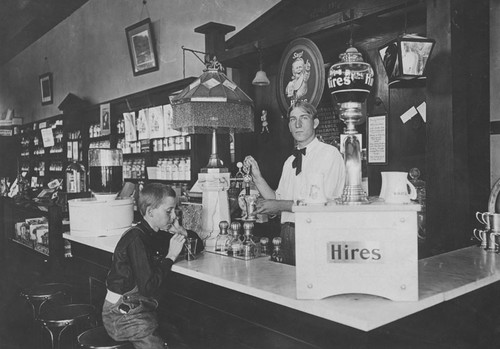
x,y
176,244
273,206
254,168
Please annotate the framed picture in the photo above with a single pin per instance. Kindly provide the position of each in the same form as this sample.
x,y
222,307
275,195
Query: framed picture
x,y
46,88
301,74
141,46
105,119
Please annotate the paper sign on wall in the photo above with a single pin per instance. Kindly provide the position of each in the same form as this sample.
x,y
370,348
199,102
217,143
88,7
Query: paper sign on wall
x,y
169,119
422,111
47,137
130,127
143,124
156,122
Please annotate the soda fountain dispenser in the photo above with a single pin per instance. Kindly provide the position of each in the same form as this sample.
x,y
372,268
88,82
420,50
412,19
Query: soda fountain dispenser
x,y
350,82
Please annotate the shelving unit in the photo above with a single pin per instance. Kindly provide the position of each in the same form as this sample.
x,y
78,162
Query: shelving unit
x,y
43,160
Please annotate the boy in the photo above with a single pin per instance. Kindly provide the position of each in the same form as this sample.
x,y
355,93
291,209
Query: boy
x,y
136,274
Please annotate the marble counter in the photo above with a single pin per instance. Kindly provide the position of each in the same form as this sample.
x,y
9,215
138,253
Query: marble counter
x,y
441,278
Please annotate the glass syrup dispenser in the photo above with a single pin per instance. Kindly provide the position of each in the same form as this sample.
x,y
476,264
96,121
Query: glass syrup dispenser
x,y
277,255
250,248
221,242
235,243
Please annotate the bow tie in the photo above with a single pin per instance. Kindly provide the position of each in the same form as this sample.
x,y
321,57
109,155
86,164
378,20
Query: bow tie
x,y
297,162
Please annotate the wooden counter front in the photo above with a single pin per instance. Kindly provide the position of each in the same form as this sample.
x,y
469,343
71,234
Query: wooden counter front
x,y
441,278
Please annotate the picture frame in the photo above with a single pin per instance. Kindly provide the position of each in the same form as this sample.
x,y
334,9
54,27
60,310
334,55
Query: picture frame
x,y
301,74
377,138
142,47
105,119
46,92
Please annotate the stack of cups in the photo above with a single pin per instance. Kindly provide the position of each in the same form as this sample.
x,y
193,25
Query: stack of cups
x,y
489,236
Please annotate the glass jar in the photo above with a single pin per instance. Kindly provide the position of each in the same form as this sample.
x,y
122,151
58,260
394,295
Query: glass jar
x,y
105,170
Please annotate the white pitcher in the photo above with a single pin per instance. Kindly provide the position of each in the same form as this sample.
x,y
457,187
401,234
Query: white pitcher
x,y
395,188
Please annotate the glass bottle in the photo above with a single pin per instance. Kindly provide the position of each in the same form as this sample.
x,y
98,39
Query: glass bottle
x,y
76,178
222,238
234,244
277,255
250,248
264,246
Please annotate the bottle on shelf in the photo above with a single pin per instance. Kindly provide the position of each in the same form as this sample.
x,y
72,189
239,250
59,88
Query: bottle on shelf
x,y
76,178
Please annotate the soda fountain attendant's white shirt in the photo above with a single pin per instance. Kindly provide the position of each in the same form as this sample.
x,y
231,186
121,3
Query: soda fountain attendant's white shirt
x,y
320,159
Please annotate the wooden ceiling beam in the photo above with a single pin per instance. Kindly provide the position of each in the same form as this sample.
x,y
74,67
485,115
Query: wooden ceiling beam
x,y
360,11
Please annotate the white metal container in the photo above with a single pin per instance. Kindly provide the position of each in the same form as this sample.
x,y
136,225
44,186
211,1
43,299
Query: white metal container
x,y
91,217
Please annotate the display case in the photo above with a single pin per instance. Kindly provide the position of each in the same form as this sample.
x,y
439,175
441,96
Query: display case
x,y
32,227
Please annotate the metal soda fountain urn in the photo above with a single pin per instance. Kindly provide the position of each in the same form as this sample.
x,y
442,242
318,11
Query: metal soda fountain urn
x,y
350,82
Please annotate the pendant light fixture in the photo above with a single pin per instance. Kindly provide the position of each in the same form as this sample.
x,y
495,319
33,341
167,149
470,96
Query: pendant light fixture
x,y
261,76
406,57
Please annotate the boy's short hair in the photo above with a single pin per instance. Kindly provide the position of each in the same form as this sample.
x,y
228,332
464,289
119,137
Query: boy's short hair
x,y
152,195
306,106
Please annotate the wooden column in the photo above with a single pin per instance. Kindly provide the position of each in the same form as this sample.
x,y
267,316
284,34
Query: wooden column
x,y
452,148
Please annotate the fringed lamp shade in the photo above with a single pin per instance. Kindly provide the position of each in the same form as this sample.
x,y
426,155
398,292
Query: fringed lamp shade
x,y
212,102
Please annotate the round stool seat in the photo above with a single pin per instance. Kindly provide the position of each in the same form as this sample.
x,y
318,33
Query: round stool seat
x,y
39,294
98,338
58,318
66,315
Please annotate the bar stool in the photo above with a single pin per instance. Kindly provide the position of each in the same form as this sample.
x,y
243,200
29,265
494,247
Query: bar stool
x,y
38,295
57,319
98,338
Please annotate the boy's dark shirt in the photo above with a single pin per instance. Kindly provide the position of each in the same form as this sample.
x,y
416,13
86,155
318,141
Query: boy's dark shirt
x,y
139,259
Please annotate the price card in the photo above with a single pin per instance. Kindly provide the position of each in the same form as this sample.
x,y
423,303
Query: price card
x,y
47,137
377,139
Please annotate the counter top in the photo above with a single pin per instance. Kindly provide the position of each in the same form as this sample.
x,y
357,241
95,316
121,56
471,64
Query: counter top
x,y
376,204
441,278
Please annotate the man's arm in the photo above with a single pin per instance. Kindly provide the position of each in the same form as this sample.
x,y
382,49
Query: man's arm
x,y
261,184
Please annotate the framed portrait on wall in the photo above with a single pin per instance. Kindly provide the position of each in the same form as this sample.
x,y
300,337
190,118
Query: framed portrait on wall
x,y
105,119
142,47
46,88
301,74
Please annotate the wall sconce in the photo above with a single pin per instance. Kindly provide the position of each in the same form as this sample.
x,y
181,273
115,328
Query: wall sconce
x,y
405,58
261,76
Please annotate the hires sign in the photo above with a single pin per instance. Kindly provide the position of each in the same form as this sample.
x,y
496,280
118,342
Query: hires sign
x,y
354,252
